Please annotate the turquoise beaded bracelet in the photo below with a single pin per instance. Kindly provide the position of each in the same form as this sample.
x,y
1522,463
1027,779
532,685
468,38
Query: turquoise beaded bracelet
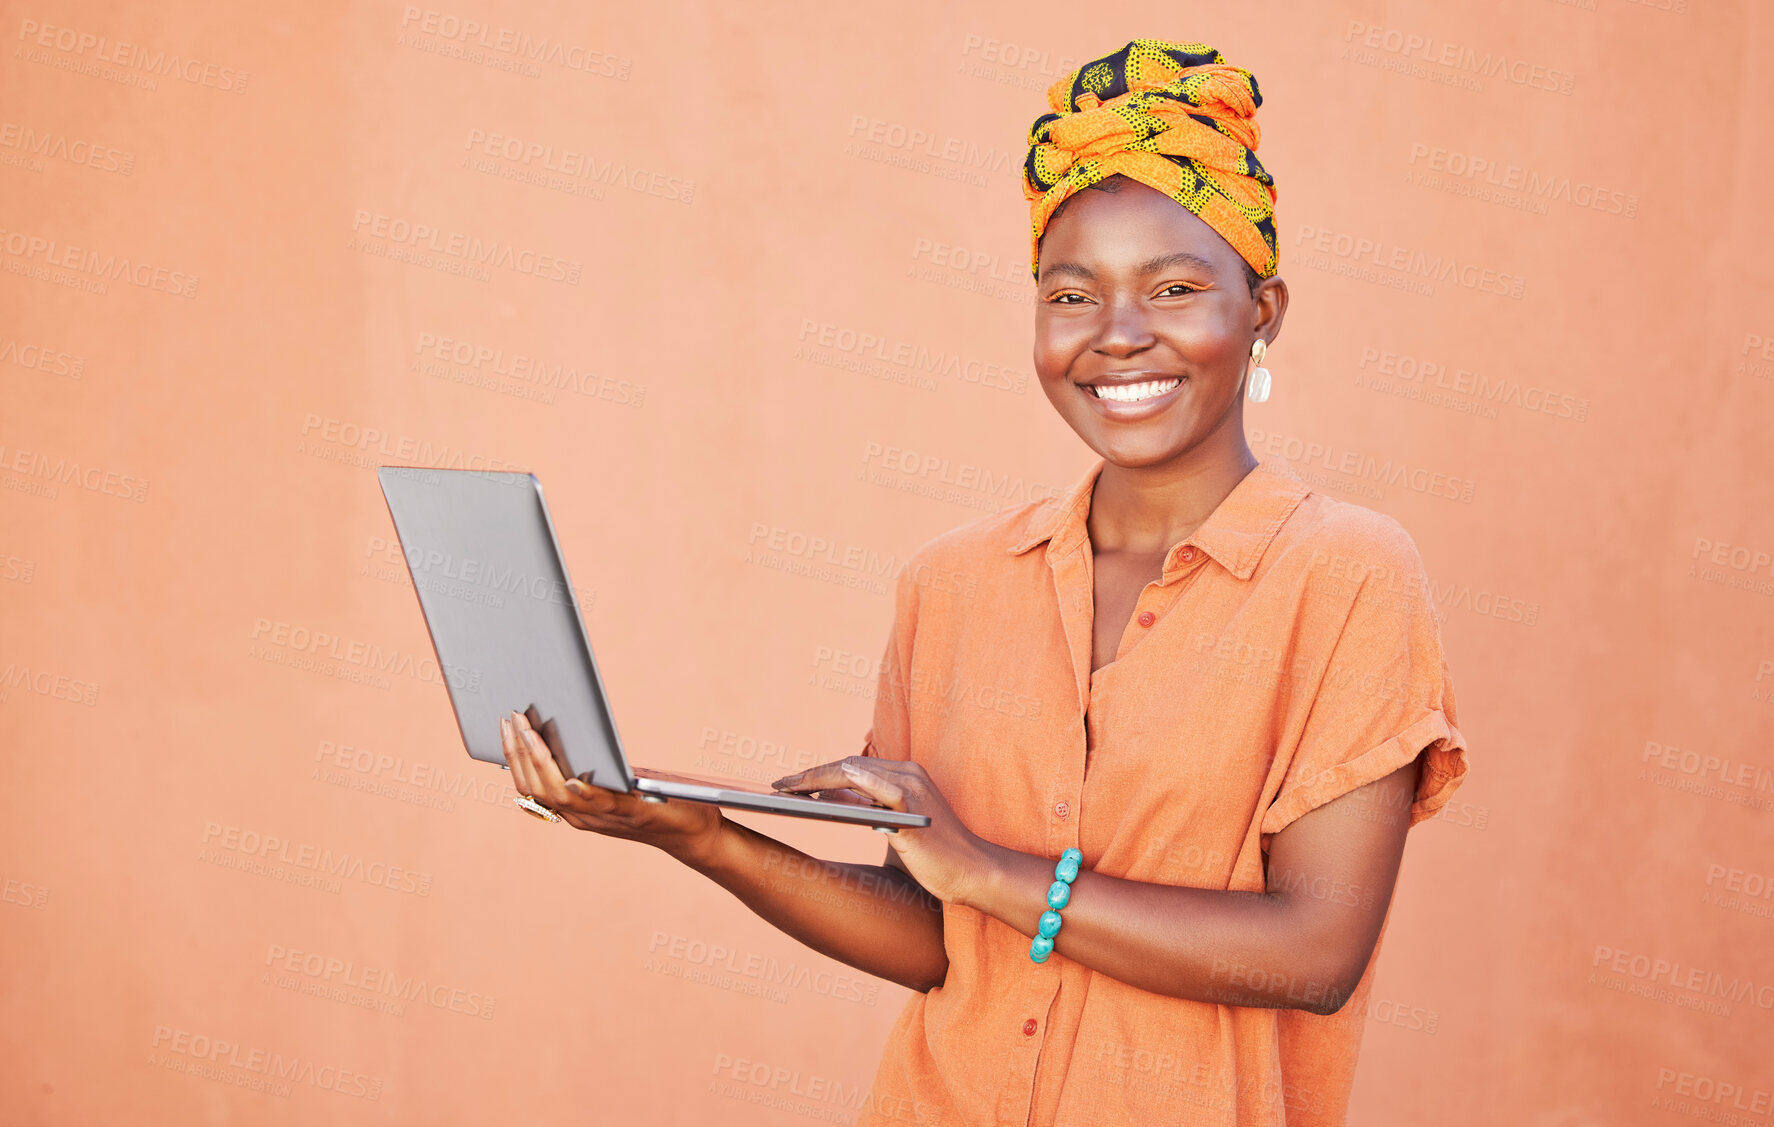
x,y
1059,894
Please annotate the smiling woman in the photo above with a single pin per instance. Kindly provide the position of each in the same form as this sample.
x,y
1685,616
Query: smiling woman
x,y
1127,336
1159,895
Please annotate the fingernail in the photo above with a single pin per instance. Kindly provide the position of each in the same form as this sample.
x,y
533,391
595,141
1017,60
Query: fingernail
x,y
785,780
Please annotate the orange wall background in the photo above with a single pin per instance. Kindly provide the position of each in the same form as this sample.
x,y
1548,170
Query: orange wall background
x,y
764,330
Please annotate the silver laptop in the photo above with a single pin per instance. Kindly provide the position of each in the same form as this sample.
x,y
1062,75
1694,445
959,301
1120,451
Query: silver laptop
x,y
504,620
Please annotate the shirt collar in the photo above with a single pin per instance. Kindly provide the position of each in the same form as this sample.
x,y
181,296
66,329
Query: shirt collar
x,y
1235,535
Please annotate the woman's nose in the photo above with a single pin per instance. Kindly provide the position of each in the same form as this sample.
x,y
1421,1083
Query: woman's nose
x,y
1125,328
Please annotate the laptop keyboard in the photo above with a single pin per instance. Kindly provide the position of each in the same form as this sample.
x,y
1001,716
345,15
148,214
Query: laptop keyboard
x,y
844,795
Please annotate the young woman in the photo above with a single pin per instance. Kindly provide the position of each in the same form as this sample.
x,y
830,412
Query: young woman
x,y
1213,695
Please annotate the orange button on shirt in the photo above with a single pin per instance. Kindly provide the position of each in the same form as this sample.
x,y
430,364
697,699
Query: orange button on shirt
x,y
1288,654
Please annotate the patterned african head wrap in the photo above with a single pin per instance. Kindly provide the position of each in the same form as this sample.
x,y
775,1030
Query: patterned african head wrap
x,y
1174,117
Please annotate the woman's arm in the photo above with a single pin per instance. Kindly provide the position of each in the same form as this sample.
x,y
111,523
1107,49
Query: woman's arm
x,y
1302,944
875,918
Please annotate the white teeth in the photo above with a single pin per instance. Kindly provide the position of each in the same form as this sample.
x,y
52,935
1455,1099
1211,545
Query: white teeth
x,y
1133,392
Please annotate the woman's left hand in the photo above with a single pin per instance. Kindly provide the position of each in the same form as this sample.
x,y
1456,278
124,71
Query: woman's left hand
x,y
947,858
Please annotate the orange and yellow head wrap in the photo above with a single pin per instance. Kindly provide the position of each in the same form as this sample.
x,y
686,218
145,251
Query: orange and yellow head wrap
x,y
1174,117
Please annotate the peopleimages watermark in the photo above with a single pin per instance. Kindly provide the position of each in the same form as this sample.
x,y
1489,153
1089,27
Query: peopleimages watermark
x,y
24,894
1739,565
810,1095
1739,890
814,556
464,578
230,1061
1461,389
1737,557
569,170
234,847
1674,983
943,479
1709,775
872,892
1368,473
857,674
37,146
932,153
42,358
340,440
45,683
351,659
17,569
747,972
127,63
1496,182
393,777
763,759
1412,53
1023,65
426,245
1259,985
1757,356
503,48
1709,1098
492,368
366,985
83,268
1406,264
1182,1080
1409,590
39,473
899,360
961,268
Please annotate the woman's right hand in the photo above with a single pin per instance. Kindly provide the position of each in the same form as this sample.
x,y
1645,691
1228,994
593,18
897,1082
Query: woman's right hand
x,y
682,829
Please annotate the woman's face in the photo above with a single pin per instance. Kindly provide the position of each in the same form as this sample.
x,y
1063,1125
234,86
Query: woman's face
x,y
1143,325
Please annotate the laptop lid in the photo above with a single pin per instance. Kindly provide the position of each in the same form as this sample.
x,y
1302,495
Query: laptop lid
x,y
503,614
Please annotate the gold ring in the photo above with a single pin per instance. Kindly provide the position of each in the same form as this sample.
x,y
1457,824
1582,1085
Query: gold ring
x,y
530,806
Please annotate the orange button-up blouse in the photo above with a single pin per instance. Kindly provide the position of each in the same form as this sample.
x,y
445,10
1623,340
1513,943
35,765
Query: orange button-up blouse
x,y
1288,654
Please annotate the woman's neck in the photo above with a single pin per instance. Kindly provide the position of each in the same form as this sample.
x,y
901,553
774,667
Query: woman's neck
x,y
1147,509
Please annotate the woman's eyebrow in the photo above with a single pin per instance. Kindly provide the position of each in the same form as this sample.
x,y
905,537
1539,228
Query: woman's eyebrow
x,y
1181,258
1151,266
1072,268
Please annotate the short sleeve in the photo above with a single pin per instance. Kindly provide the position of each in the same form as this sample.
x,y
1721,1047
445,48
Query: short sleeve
x,y
890,734
1385,694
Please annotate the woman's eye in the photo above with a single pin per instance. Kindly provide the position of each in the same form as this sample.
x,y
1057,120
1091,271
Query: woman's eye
x,y
1066,298
1178,290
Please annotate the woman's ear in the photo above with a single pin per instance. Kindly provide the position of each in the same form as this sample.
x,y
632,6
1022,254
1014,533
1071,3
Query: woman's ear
x,y
1269,307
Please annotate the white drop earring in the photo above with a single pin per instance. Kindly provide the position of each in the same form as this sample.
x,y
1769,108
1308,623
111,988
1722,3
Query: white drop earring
x,y
1258,388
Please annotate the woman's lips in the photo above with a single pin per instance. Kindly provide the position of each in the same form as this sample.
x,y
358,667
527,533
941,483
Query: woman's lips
x,y
1128,400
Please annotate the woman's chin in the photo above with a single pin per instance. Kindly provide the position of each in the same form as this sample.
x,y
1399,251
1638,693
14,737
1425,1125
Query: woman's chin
x,y
1135,448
